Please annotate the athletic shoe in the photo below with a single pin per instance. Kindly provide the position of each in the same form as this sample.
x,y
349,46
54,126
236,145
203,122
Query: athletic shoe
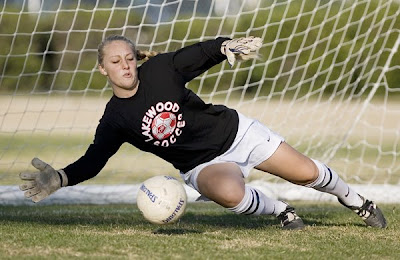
x,y
290,220
369,213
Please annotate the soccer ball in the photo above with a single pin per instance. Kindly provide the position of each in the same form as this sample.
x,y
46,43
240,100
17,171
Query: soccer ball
x,y
162,199
163,125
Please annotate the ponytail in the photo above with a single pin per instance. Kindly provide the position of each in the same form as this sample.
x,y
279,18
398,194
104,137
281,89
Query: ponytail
x,y
145,55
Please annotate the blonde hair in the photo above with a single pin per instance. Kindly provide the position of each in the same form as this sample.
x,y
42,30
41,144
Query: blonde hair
x,y
140,55
145,55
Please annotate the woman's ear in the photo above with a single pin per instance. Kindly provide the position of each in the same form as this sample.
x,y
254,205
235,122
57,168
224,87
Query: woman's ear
x,y
102,70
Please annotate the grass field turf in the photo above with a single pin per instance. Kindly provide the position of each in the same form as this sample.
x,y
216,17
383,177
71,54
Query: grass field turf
x,y
206,231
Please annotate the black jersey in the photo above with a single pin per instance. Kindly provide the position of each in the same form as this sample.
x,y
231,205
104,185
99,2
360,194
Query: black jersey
x,y
164,117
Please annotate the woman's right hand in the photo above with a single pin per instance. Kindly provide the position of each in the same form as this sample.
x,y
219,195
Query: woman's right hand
x,y
39,185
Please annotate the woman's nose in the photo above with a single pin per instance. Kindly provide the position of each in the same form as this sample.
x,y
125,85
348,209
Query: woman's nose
x,y
125,64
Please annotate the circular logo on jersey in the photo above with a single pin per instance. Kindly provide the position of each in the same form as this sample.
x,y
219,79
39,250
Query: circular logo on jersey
x,y
163,125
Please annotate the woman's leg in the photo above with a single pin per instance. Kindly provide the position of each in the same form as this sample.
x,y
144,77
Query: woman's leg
x,y
224,184
297,168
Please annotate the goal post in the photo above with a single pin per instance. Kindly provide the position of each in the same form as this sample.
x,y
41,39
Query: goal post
x,y
327,79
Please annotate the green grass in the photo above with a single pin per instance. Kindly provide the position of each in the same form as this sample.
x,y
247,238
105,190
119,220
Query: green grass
x,y
206,231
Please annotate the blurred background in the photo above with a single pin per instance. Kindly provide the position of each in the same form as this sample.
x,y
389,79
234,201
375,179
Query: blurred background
x,y
327,78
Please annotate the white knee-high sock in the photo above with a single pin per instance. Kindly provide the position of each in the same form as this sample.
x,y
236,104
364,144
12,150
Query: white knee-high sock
x,y
330,182
255,202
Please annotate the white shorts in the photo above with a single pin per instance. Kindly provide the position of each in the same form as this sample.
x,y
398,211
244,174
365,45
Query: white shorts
x,y
253,144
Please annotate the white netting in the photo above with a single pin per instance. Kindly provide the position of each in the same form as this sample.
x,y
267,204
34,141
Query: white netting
x,y
327,80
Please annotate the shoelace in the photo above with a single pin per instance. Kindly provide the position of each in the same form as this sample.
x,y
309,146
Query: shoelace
x,y
284,216
366,209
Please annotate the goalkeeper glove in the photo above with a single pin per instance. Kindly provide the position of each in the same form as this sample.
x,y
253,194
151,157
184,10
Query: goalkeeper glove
x,y
241,49
40,185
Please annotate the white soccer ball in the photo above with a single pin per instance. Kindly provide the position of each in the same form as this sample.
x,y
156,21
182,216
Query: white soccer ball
x,y
163,125
162,199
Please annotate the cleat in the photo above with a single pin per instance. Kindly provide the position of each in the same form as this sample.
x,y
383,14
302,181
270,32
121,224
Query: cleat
x,y
369,213
290,220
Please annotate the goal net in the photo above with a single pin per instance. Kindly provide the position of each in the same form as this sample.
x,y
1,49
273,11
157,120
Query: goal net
x,y
328,80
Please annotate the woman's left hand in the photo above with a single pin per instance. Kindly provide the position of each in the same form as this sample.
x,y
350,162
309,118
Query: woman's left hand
x,y
241,49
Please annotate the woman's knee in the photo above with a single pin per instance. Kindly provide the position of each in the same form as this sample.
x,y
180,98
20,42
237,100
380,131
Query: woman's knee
x,y
308,171
222,183
230,194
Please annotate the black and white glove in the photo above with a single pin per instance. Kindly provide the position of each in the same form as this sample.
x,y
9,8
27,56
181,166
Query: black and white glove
x,y
41,184
241,49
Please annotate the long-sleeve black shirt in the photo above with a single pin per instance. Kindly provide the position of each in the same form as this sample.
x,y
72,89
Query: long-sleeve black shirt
x,y
164,117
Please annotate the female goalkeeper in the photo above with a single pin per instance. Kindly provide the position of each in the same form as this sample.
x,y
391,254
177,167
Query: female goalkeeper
x,y
213,146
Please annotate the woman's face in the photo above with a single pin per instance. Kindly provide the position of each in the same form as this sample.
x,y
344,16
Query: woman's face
x,y
120,66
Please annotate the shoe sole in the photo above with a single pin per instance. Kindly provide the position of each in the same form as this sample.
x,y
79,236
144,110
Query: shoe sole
x,y
296,224
376,219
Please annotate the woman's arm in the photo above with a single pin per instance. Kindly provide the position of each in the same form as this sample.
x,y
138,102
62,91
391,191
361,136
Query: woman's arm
x,y
44,182
106,143
193,60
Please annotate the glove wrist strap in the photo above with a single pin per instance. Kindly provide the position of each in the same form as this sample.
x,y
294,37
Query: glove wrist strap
x,y
63,178
223,47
